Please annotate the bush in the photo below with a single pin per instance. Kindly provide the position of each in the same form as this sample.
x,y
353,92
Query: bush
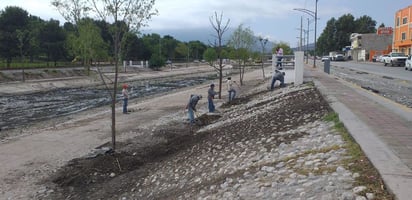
x,y
156,61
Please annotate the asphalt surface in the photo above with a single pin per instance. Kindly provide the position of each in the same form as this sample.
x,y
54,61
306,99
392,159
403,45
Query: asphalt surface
x,y
381,127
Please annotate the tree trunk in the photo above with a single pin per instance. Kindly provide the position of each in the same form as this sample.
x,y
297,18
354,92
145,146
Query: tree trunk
x,y
116,42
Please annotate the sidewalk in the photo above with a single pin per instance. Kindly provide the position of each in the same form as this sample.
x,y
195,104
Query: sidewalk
x,y
381,127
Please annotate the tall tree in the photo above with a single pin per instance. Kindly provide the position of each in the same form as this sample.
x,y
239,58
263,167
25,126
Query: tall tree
x,y
169,45
365,24
35,26
133,47
52,38
12,19
197,48
336,34
182,51
220,28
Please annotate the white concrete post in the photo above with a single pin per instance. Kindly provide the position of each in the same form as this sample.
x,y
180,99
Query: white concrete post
x,y
274,60
141,64
147,63
299,58
124,65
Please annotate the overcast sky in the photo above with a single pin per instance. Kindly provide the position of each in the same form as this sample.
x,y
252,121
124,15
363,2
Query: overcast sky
x,y
274,19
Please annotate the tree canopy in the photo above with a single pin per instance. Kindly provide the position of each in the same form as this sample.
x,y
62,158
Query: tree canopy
x,y
336,34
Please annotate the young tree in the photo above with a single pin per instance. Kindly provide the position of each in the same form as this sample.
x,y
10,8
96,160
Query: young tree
x,y
220,27
72,10
263,42
242,40
134,14
87,43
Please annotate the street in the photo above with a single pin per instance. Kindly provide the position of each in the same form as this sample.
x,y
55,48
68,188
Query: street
x,y
376,68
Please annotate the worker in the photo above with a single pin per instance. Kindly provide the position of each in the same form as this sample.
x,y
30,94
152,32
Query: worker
x,y
210,96
277,76
191,107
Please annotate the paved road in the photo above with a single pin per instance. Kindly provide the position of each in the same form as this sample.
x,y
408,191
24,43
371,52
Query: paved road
x,y
376,68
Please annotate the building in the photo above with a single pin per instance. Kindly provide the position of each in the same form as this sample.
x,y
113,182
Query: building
x,y
402,33
365,46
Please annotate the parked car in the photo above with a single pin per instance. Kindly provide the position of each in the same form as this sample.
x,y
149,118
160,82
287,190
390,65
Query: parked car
x,y
339,57
374,58
395,58
408,63
381,58
325,58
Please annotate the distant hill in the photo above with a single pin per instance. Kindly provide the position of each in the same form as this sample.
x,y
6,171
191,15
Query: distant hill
x,y
203,35
310,47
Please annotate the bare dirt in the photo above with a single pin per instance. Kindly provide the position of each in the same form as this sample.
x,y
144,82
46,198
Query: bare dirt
x,y
33,154
70,157
110,175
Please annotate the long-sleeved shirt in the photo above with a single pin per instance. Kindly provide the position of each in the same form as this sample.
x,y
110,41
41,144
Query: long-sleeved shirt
x,y
125,94
211,93
229,85
278,75
193,102
279,52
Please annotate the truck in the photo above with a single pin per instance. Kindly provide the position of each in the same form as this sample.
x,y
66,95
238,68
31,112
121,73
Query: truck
x,y
395,58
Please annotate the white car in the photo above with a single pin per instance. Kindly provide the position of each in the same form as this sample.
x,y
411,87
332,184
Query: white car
x,y
325,58
408,63
381,58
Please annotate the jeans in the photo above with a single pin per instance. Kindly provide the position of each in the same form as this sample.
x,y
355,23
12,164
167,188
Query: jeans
x,y
279,63
211,105
125,105
272,85
191,115
232,94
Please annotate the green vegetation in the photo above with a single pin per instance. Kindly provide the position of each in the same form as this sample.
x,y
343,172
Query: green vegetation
x,y
336,34
358,162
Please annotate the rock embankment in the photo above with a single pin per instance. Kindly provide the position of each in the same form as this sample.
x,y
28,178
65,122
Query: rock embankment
x,y
267,145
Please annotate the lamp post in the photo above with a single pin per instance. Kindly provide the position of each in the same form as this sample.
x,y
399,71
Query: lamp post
x,y
315,16
316,23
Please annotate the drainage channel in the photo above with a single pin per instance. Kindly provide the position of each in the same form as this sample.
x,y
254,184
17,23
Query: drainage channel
x,y
22,110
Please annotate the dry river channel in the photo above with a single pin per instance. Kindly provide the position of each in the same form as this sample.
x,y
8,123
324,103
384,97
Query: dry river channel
x,y
18,111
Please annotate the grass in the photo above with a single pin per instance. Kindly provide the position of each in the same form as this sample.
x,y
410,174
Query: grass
x,y
33,65
358,162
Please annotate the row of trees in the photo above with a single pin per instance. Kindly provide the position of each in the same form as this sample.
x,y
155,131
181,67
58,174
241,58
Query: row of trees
x,y
27,38
337,32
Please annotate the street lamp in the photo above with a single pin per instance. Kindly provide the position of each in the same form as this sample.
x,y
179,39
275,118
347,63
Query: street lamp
x,y
315,16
